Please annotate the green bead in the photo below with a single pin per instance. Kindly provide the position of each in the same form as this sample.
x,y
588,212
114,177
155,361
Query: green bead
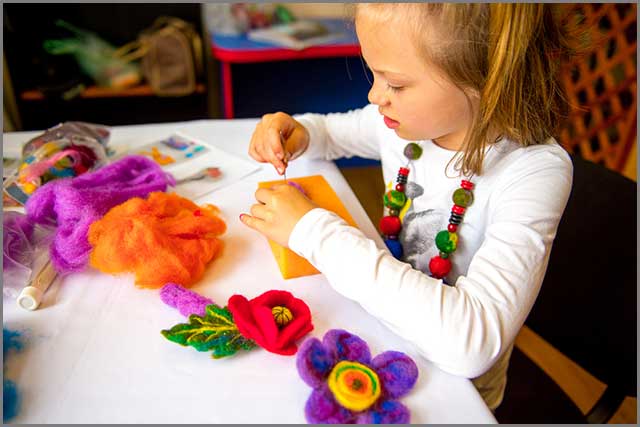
x,y
462,197
412,151
395,199
446,241
444,255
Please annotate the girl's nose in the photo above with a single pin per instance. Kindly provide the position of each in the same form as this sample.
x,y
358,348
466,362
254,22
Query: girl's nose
x,y
378,96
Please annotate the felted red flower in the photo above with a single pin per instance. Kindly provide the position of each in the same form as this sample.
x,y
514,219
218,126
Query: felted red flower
x,y
275,320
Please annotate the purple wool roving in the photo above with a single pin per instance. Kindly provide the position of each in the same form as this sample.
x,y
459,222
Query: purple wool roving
x,y
17,252
73,204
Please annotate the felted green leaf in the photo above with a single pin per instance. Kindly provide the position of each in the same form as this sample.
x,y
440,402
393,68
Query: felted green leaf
x,y
216,331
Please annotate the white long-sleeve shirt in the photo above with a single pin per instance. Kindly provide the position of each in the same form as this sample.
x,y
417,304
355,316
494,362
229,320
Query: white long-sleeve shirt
x,y
467,329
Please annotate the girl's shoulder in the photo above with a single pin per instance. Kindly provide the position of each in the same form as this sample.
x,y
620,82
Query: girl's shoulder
x,y
512,156
509,162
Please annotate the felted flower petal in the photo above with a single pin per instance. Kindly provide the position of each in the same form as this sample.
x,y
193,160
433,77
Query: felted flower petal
x,y
296,329
398,373
386,412
298,307
239,306
272,298
322,408
267,325
255,320
314,362
346,346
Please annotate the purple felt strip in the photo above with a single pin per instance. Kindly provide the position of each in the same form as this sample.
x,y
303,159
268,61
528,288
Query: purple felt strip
x,y
187,302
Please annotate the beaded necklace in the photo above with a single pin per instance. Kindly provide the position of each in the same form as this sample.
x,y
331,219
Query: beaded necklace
x,y
446,240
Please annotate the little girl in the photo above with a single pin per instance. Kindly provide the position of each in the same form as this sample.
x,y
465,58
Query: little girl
x,y
463,109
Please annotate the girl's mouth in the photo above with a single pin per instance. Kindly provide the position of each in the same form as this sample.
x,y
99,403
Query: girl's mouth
x,y
391,124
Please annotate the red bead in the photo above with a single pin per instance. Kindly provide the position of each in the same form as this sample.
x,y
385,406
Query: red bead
x,y
400,187
390,225
404,171
458,209
452,228
467,185
439,267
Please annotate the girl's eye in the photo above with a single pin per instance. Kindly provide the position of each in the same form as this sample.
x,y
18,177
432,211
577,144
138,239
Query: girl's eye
x,y
393,88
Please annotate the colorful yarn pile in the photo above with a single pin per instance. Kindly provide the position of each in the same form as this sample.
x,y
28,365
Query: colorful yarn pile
x,y
274,320
165,238
349,386
446,240
74,204
59,158
56,162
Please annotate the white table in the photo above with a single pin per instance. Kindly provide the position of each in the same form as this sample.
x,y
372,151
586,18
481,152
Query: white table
x,y
93,352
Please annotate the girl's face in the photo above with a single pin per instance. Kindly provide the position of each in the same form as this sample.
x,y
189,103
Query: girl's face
x,y
415,99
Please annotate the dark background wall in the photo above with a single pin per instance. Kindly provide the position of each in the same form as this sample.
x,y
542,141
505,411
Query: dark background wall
x,y
27,26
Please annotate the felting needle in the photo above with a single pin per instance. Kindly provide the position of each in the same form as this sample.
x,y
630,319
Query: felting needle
x,y
284,148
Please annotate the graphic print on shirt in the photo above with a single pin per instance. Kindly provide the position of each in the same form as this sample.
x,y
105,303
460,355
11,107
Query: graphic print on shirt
x,y
418,236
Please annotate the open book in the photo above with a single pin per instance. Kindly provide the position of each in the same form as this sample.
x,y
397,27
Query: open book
x,y
296,35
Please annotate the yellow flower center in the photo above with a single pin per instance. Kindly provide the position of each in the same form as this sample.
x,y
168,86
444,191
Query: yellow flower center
x,y
355,386
282,315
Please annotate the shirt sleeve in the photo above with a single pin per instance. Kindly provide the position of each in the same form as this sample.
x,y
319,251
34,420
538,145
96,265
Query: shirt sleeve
x,y
464,328
336,135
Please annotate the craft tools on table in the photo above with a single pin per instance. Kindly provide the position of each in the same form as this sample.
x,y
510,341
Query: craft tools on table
x,y
31,295
173,150
211,172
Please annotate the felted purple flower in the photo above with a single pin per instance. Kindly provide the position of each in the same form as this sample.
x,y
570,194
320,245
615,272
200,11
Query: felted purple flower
x,y
349,386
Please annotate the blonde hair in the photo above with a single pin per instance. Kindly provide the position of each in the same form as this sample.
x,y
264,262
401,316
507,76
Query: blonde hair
x,y
505,54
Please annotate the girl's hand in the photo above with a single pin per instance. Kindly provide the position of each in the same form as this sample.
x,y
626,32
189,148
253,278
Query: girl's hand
x,y
267,146
279,210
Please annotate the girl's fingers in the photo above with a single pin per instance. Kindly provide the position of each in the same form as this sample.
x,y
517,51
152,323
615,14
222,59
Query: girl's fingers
x,y
276,142
254,154
253,222
263,195
255,143
260,211
276,150
269,142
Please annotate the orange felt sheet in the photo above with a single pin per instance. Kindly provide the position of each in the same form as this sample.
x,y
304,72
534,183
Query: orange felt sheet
x,y
320,192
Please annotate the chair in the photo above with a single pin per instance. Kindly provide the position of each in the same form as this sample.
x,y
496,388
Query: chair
x,y
587,304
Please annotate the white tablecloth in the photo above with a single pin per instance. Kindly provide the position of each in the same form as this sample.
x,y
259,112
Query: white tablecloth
x,y
93,352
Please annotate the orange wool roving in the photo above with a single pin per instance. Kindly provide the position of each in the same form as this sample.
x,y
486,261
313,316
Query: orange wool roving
x,y
164,238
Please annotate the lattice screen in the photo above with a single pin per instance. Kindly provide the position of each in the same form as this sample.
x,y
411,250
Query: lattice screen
x,y
601,86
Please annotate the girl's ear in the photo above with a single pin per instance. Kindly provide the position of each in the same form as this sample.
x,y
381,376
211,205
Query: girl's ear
x,y
472,93
473,97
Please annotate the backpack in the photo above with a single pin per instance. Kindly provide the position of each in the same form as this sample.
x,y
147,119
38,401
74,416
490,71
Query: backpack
x,y
171,56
